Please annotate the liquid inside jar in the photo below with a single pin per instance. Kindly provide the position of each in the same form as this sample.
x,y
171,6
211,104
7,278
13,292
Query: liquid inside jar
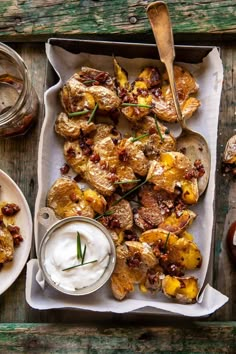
x,y
10,89
18,100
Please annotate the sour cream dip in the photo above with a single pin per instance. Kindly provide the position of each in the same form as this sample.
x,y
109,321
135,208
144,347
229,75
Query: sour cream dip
x,y
60,252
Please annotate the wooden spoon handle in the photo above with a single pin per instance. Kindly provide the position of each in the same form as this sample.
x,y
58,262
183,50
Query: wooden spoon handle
x,y
159,18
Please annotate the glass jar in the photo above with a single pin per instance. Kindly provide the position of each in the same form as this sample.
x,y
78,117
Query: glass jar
x,y
18,99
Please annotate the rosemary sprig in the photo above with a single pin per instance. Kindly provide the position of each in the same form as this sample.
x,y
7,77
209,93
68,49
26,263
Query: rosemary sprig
x,y
79,265
129,192
158,128
79,113
79,250
165,245
128,181
107,213
139,137
93,113
136,105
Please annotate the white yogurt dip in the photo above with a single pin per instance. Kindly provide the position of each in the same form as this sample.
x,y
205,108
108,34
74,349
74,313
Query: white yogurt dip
x,y
61,253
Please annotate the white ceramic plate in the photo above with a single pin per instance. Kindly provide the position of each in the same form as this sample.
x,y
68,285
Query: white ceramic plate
x,y
11,193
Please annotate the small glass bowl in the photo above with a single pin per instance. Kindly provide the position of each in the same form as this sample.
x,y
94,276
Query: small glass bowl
x,y
104,277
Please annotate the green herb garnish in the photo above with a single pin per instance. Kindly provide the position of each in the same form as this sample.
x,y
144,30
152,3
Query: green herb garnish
x,y
93,113
89,82
136,105
128,181
79,251
139,137
165,245
79,113
107,213
79,265
83,255
129,192
158,128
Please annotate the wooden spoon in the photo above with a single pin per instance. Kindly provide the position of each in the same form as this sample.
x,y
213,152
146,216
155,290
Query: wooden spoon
x,y
192,143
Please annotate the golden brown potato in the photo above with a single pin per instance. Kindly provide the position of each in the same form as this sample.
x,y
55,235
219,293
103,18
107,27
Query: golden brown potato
x,y
185,253
229,156
178,224
121,213
75,96
165,238
70,128
66,199
107,151
184,289
90,76
6,245
99,178
75,157
133,260
103,131
174,169
106,99
163,105
159,139
121,77
95,200
131,154
125,173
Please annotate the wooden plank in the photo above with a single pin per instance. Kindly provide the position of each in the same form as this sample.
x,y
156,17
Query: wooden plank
x,y
41,19
198,337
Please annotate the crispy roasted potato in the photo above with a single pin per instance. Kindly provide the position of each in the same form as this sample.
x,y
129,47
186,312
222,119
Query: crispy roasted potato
x,y
174,169
165,238
163,105
107,151
185,253
6,245
95,200
133,260
70,128
75,96
229,156
131,153
66,199
125,173
178,224
184,289
121,78
122,212
99,178
75,157
106,99
105,130
90,76
159,139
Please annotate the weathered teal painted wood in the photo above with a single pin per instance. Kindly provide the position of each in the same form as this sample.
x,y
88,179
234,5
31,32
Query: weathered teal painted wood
x,y
42,19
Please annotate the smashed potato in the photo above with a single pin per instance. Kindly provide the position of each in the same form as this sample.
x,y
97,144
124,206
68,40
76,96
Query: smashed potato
x,y
185,253
177,224
174,169
183,289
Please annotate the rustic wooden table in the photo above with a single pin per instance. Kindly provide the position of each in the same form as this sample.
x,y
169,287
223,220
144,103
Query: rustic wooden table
x,y
26,25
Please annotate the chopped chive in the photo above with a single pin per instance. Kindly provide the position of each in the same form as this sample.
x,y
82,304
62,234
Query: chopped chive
x,y
89,81
158,128
136,105
129,192
139,137
93,113
79,251
107,213
167,238
79,265
79,113
83,255
128,181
